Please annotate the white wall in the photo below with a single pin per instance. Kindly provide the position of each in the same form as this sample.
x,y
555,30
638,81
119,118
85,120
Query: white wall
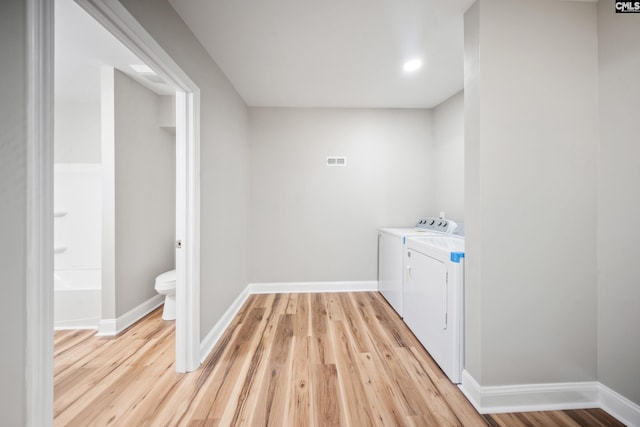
x,y
310,222
13,227
145,180
531,158
618,201
77,132
224,161
448,158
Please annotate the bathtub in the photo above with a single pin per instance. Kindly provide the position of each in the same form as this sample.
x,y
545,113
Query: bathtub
x,y
77,299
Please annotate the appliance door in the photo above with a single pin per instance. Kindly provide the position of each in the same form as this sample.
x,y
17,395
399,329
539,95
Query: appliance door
x,y
426,307
390,269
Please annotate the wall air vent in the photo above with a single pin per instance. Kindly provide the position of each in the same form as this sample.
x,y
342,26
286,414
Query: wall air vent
x,y
336,161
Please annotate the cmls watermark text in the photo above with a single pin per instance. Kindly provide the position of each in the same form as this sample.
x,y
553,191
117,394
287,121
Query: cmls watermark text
x,y
628,7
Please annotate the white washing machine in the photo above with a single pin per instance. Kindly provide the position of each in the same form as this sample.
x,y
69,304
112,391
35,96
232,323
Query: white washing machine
x,y
434,298
390,249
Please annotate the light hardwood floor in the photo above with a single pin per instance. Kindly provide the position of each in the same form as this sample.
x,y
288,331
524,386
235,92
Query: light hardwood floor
x,y
286,360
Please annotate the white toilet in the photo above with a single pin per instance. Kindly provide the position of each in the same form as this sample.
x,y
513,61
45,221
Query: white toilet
x,y
166,285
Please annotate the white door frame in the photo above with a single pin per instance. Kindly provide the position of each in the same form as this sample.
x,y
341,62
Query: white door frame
x,y
38,394
116,19
119,22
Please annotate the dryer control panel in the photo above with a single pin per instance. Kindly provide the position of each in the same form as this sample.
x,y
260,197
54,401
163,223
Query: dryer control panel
x,y
441,225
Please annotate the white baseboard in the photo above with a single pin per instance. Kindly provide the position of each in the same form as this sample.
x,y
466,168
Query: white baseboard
x,y
107,327
549,397
214,335
312,287
276,288
530,397
110,327
61,325
619,406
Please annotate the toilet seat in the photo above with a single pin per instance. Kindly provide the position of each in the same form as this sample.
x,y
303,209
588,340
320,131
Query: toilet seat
x,y
166,285
166,281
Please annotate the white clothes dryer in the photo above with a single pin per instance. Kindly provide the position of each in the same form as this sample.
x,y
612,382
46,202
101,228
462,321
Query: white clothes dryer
x,y
390,249
434,298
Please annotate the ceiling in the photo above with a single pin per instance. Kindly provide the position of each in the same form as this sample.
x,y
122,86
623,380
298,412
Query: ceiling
x,y
82,47
333,53
291,53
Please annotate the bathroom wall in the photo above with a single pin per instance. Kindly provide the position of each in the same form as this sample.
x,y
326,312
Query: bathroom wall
x,y
224,161
77,132
144,194
447,181
313,223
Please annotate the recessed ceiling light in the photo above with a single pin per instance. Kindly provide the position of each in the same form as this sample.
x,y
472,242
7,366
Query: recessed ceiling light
x,y
412,65
142,69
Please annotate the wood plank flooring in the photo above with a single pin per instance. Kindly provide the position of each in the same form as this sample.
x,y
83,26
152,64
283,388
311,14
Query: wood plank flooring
x,y
334,359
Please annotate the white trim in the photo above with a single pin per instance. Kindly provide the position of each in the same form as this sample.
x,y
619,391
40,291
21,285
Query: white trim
x,y
471,389
110,327
119,22
39,262
89,323
188,231
549,397
82,168
107,328
312,287
530,397
218,329
619,406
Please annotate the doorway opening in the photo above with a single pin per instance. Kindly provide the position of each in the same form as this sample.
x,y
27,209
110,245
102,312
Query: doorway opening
x,y
39,284
119,22
109,118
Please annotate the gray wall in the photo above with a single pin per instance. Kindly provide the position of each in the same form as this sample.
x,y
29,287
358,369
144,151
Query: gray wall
x,y
77,132
473,326
618,201
224,160
447,184
531,175
13,175
145,194
310,222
